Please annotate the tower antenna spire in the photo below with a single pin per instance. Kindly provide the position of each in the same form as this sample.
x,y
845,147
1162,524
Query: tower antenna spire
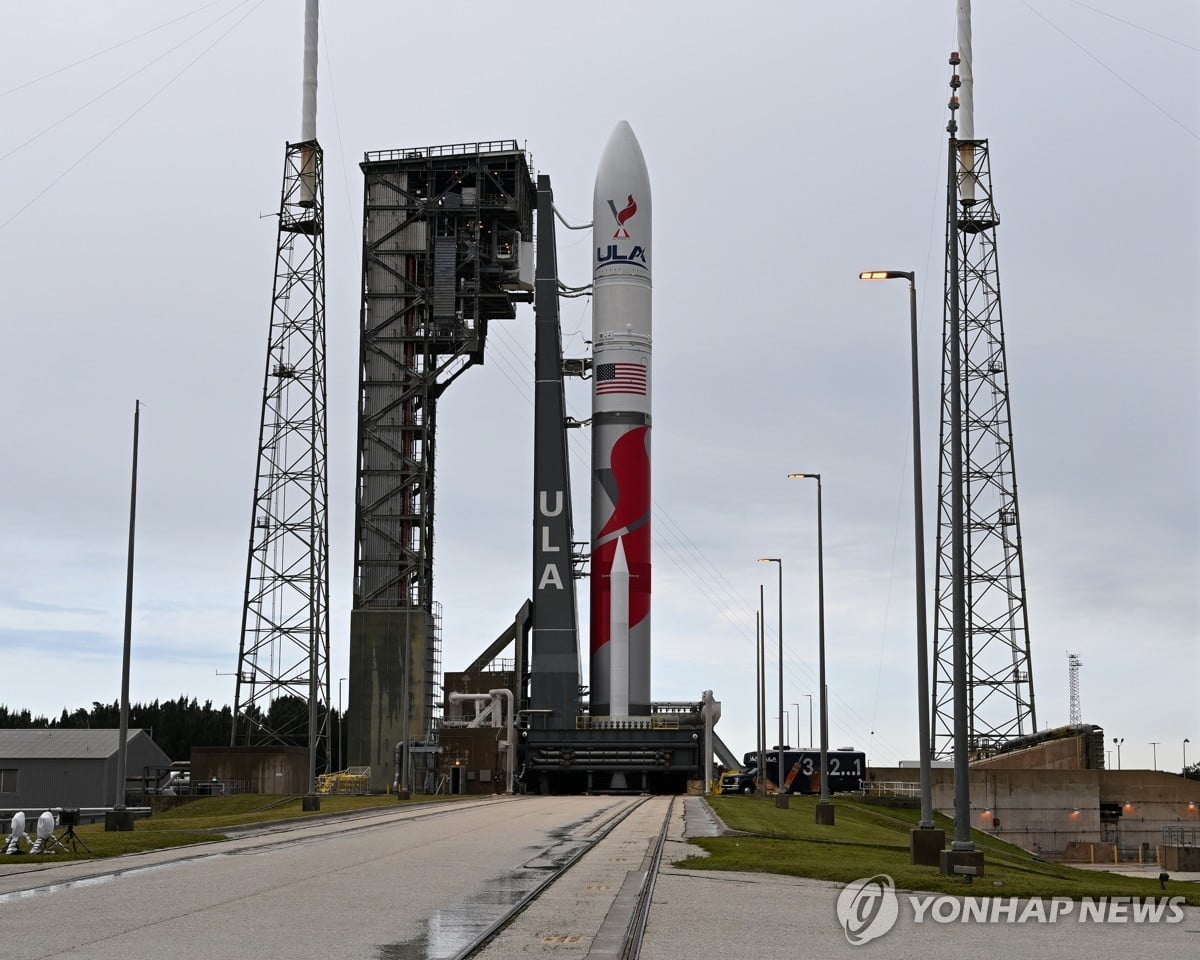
x,y
308,110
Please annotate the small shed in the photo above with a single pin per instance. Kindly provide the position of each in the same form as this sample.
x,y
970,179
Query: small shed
x,y
69,768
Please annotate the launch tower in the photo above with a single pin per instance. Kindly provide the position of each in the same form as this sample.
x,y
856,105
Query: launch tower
x,y
447,248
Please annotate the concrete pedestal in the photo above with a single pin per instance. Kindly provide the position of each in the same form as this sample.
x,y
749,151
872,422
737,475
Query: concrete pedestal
x,y
310,803
964,863
824,813
781,801
925,846
118,820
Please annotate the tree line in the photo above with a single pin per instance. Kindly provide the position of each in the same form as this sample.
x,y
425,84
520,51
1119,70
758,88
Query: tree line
x,y
175,725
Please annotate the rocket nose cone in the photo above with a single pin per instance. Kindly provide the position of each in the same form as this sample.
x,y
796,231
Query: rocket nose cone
x,y
622,162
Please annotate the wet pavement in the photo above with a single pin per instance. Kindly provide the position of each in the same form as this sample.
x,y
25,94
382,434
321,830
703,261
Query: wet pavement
x,y
585,912
403,884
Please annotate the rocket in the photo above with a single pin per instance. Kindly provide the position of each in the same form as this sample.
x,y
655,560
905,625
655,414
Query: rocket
x,y
620,548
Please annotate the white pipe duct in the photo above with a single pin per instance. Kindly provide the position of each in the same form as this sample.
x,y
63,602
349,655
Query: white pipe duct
x,y
509,722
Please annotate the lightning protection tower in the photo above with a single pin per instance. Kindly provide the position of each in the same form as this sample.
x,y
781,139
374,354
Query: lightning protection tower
x,y
1073,665
999,674
282,691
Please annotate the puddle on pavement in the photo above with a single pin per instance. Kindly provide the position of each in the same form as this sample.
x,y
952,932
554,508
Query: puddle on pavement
x,y
448,933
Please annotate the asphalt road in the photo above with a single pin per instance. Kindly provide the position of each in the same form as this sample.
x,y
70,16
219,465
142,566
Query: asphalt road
x,y
420,882
400,885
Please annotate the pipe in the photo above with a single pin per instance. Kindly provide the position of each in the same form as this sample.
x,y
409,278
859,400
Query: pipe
x,y
508,730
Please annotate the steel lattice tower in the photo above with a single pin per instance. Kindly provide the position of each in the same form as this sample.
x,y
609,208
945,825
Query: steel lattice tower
x,y
1073,665
284,650
998,666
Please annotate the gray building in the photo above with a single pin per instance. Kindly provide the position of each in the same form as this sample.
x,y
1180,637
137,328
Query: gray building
x,y
69,768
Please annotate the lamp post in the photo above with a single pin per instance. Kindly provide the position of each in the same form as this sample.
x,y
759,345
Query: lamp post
x,y
923,732
780,797
1117,743
787,725
1186,741
1154,748
797,706
758,691
824,809
810,737
760,720
339,749
119,818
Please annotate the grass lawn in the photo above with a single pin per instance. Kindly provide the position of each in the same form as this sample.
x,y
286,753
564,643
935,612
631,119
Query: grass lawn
x,y
202,820
867,840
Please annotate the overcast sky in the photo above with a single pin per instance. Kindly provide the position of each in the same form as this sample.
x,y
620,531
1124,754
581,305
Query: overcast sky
x,y
790,145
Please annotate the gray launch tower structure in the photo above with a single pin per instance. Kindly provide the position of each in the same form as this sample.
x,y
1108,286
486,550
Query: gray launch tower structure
x,y
447,249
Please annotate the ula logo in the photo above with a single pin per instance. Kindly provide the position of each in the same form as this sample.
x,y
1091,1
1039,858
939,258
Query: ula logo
x,y
868,908
621,216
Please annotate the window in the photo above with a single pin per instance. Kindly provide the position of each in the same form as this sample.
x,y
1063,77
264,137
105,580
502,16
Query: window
x,y
8,780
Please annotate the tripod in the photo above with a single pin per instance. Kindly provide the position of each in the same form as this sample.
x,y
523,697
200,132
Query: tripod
x,y
70,836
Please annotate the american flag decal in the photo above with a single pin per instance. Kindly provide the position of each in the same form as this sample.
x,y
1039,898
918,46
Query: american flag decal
x,y
621,378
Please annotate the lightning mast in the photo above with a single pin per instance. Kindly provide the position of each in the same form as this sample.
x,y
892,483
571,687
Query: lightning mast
x,y
284,650
975,420
1073,665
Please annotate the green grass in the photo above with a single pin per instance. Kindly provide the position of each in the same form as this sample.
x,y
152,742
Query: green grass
x,y
867,840
203,820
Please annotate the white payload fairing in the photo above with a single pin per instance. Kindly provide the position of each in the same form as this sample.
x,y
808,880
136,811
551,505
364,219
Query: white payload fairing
x,y
621,305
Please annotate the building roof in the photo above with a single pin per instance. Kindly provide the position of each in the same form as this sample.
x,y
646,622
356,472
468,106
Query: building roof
x,y
60,744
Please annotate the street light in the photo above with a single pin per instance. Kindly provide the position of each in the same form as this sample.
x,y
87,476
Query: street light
x,y
1154,748
797,706
339,752
760,719
810,738
1117,743
780,794
1186,741
787,725
824,809
919,541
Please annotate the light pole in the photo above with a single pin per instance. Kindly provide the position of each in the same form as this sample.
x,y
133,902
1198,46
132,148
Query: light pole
x,y
1154,748
758,691
787,724
797,706
824,809
810,738
760,721
1117,743
339,750
1186,741
925,743
780,797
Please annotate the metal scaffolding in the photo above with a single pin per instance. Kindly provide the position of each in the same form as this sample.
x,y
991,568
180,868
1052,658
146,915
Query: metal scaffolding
x,y
283,658
447,248
998,667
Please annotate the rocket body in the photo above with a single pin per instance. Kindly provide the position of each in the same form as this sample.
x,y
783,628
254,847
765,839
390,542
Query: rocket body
x,y
621,309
